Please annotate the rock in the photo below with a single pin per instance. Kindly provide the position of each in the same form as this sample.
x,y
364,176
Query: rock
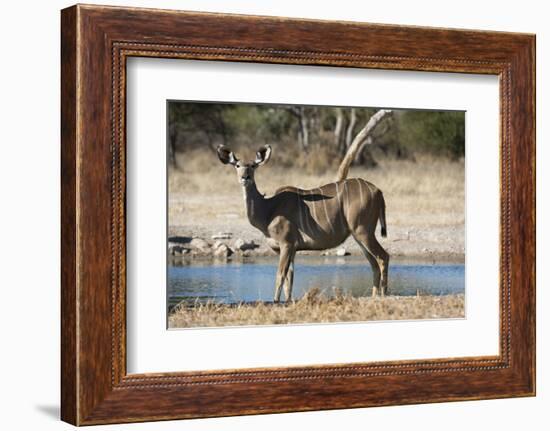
x,y
222,251
250,245
179,239
222,235
201,253
177,250
200,244
342,252
217,244
241,244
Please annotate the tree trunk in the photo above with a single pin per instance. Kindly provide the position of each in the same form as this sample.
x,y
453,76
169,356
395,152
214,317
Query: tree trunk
x,y
338,129
351,126
304,129
359,139
172,139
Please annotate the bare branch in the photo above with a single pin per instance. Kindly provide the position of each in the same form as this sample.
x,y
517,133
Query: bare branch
x,y
373,137
368,141
358,140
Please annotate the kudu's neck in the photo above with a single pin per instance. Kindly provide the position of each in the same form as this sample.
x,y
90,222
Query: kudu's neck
x,y
255,205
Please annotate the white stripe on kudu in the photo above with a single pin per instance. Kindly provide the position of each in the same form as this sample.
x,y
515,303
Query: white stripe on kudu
x,y
338,195
369,188
326,212
340,208
300,218
309,217
313,207
304,216
346,199
360,192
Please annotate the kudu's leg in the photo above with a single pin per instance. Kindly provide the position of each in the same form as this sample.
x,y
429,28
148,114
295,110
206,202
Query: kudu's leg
x,y
376,274
383,259
285,255
289,280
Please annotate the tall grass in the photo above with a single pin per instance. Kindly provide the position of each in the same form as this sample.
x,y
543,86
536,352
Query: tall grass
x,y
314,307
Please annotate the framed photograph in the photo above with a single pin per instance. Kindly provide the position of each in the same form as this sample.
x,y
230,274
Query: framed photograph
x,y
265,215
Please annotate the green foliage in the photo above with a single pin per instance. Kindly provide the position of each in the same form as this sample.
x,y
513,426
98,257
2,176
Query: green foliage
x,y
440,133
257,124
308,133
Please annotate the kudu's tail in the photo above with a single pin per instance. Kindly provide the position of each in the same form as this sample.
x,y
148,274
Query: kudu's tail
x,y
382,216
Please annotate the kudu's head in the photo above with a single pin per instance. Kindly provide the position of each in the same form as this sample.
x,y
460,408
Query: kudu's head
x,y
245,171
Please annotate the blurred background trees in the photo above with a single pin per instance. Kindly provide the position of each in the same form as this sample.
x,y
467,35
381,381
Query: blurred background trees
x,y
311,137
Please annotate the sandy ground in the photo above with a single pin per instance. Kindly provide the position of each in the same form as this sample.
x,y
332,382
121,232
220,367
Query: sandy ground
x,y
424,201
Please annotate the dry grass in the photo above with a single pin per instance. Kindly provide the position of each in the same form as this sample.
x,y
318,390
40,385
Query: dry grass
x,y
316,308
428,192
424,201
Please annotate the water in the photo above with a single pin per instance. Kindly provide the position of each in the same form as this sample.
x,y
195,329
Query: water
x,y
234,282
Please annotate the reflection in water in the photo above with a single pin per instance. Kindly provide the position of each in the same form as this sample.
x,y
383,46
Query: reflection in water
x,y
248,282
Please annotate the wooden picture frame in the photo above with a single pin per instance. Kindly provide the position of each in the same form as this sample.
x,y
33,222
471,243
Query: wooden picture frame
x,y
95,43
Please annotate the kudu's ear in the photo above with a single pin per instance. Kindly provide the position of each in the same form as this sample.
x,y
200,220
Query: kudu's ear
x,y
263,155
226,156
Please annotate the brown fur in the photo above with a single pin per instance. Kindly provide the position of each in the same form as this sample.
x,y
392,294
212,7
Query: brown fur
x,y
318,219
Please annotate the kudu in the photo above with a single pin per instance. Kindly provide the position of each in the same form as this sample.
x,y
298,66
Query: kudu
x,y
318,219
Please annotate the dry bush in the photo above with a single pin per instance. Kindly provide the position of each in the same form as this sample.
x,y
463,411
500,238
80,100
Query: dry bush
x,y
318,160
